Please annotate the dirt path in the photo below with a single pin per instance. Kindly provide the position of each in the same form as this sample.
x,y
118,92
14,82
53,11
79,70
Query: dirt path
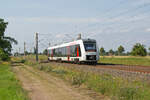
x,y
43,86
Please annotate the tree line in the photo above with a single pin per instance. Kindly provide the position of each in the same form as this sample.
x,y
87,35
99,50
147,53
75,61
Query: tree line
x,y
5,42
137,50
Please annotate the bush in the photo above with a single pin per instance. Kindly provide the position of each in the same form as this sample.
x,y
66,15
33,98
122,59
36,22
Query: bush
x,y
23,61
139,50
78,78
127,93
48,69
4,56
40,67
59,71
104,84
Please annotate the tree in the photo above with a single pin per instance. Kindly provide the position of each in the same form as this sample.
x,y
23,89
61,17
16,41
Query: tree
x,y
139,50
149,50
27,53
34,50
5,42
115,53
111,52
3,56
120,49
45,52
102,51
128,53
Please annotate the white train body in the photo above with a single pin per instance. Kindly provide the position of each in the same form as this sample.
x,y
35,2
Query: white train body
x,y
84,50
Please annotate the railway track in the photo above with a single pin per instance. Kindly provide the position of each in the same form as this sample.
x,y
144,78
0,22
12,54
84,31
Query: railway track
x,y
137,69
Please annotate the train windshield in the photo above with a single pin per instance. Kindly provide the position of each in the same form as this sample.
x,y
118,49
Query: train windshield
x,y
90,46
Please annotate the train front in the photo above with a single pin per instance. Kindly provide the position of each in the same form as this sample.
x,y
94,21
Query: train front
x,y
91,51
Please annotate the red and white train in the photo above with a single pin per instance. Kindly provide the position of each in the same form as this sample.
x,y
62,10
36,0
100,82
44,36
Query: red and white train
x,y
83,50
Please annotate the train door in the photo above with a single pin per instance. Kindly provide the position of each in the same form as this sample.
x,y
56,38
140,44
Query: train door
x,y
68,53
51,54
48,52
77,51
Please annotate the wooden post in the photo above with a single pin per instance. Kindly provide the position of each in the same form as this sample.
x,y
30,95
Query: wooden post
x,y
36,46
24,50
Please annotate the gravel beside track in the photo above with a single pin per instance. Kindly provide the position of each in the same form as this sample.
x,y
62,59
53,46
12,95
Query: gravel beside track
x,y
128,72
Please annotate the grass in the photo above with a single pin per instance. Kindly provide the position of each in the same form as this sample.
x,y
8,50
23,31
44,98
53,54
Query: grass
x,y
139,61
10,88
115,88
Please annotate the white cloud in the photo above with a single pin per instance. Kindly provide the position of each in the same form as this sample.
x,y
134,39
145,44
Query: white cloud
x,y
140,2
147,30
56,19
124,30
86,20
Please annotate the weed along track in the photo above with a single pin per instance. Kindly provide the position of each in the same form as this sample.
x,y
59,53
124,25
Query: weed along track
x,y
130,72
138,69
43,86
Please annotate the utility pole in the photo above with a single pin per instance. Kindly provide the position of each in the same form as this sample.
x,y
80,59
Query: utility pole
x,y
36,46
79,36
31,50
49,44
19,52
24,49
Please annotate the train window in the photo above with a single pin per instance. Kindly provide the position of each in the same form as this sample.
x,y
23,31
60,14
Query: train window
x,y
71,51
50,52
64,51
54,54
74,51
90,46
59,52
79,51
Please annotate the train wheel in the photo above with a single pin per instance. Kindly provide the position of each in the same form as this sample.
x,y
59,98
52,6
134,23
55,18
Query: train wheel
x,y
95,63
79,62
48,60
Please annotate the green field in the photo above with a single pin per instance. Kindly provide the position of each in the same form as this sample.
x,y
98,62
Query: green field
x,y
10,89
126,60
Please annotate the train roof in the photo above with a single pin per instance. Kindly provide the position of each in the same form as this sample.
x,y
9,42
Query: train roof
x,y
72,43
89,40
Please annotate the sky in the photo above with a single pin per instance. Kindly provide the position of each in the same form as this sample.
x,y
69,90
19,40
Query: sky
x,y
110,22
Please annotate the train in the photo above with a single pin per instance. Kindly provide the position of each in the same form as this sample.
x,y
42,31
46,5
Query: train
x,y
78,51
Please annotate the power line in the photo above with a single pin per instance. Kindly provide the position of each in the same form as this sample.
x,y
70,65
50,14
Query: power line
x,y
120,14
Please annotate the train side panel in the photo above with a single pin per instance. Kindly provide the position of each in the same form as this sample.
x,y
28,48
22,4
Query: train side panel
x,y
73,51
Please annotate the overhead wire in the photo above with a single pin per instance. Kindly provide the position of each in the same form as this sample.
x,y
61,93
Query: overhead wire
x,y
120,14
